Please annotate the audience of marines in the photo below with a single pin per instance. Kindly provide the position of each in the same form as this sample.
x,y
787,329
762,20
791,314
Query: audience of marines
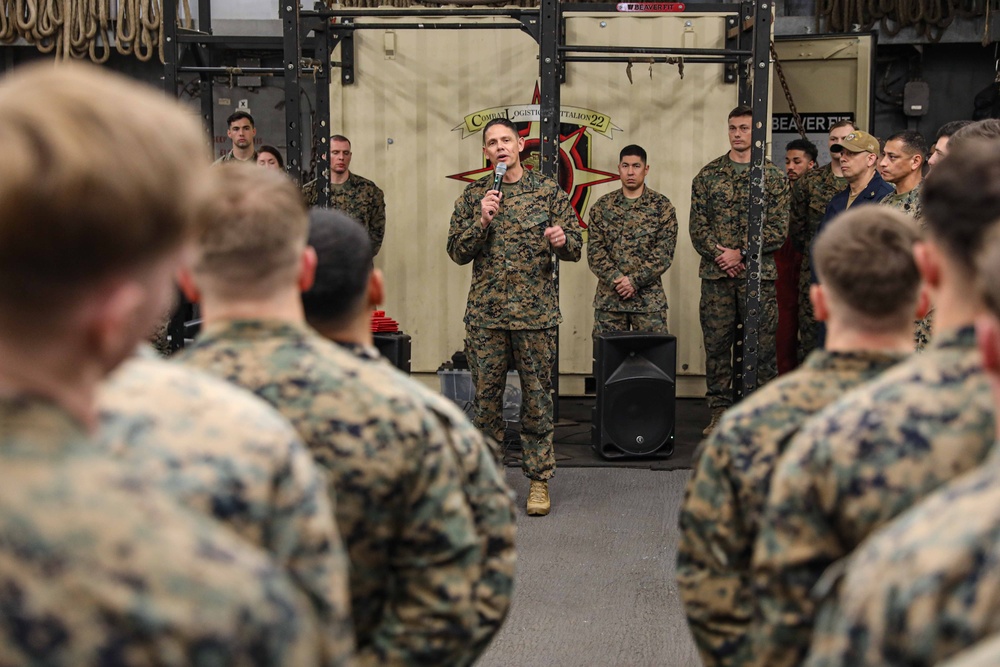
x,y
842,514
298,501
281,495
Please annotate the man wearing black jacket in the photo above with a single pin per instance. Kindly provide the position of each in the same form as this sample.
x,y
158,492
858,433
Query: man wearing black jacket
x,y
858,153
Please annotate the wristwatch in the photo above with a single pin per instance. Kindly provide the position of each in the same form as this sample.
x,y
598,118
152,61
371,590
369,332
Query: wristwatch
x,y
743,253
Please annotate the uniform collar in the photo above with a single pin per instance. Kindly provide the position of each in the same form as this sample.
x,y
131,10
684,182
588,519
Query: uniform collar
x,y
832,176
962,338
231,157
622,198
728,166
350,183
874,185
823,360
367,352
34,426
528,182
915,192
254,330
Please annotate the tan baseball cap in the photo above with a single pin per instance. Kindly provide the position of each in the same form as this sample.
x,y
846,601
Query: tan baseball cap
x,y
857,142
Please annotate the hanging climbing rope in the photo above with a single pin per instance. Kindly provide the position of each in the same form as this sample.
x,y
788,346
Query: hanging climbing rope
x,y
78,29
929,18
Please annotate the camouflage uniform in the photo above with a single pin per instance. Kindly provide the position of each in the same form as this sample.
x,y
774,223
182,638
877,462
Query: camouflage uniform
x,y
810,196
400,504
231,457
922,331
720,210
858,464
513,308
634,238
985,653
923,588
159,338
101,569
726,496
229,157
909,203
487,492
365,202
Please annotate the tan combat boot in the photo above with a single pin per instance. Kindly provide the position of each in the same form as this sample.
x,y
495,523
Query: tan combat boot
x,y
716,416
538,498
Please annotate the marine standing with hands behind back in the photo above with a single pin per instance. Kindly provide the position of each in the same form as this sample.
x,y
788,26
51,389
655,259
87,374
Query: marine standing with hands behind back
x,y
720,210
630,244
355,195
510,234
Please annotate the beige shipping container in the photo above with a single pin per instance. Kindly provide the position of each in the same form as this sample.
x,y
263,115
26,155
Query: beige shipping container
x,y
405,116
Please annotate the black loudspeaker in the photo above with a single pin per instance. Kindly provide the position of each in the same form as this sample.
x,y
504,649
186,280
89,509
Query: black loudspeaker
x,y
394,346
635,374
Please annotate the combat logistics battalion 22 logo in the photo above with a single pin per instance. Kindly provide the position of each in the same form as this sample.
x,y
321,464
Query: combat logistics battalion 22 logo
x,y
576,176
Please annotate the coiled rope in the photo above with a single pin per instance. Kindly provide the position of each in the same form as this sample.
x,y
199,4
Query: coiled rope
x,y
929,18
78,29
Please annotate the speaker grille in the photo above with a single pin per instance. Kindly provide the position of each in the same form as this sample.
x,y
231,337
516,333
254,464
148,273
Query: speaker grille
x,y
634,395
634,411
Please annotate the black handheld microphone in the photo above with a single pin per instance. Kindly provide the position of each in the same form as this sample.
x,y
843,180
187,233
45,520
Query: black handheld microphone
x,y
500,170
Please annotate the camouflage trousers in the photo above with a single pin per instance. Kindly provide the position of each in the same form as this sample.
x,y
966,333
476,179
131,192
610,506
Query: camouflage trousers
x,y
808,332
606,321
723,306
490,353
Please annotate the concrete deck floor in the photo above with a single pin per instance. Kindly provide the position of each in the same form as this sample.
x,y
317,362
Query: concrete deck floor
x,y
595,579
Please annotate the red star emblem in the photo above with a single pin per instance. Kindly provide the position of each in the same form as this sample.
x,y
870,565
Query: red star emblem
x,y
575,175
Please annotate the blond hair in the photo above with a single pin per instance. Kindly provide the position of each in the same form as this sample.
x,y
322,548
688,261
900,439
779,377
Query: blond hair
x,y
97,177
864,260
250,234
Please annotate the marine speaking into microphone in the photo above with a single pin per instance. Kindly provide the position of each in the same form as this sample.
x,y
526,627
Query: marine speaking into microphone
x,y
499,170
513,306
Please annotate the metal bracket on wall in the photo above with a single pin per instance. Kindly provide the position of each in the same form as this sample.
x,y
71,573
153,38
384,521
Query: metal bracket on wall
x,y
203,58
530,23
169,19
739,36
747,36
732,42
343,34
